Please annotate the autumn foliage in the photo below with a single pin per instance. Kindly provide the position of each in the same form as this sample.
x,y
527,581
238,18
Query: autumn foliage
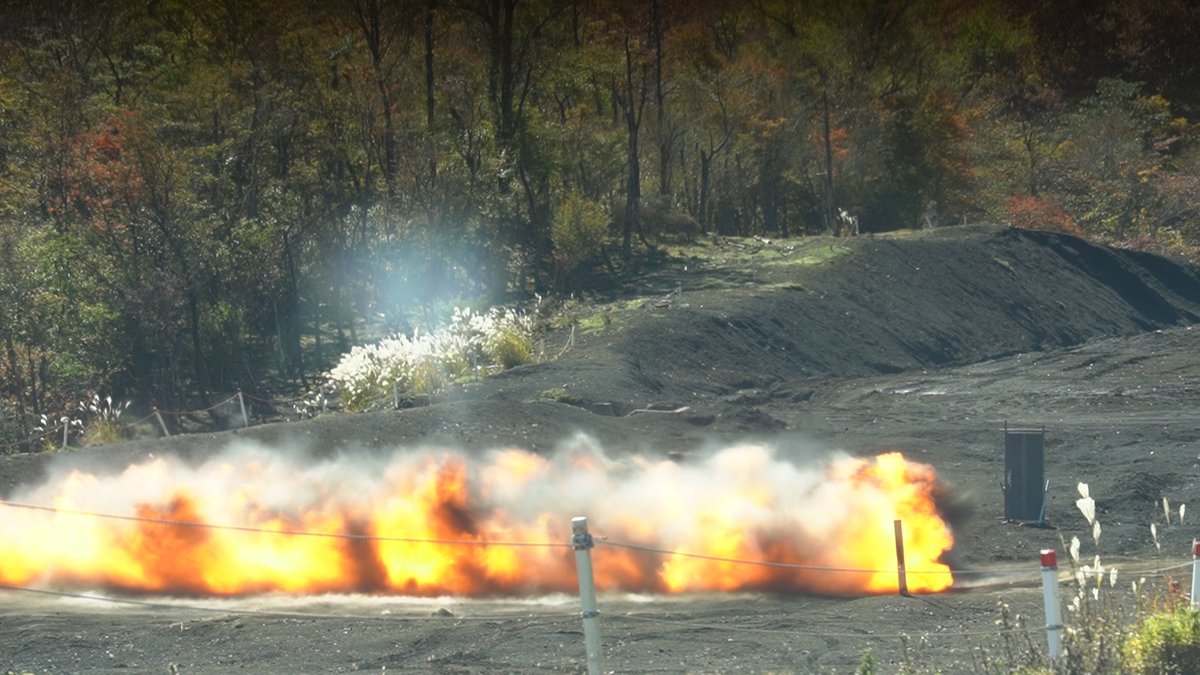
x,y
199,196
1038,213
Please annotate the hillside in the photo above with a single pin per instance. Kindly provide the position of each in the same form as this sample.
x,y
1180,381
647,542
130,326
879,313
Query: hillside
x,y
826,308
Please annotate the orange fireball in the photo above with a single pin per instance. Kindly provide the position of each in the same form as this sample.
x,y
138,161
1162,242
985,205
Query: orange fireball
x,y
442,522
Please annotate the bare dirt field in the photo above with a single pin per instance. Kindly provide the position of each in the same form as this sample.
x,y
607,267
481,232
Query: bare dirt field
x,y
924,343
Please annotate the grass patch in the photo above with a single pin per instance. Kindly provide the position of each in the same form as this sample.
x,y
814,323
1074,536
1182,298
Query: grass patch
x,y
596,318
1165,643
734,251
813,255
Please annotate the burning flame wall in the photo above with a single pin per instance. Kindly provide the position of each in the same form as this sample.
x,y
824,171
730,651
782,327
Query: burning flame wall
x,y
441,522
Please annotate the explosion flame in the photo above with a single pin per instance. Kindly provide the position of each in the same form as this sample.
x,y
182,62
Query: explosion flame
x,y
441,522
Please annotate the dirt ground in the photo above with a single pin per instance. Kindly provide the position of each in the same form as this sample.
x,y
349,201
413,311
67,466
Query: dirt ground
x,y
925,343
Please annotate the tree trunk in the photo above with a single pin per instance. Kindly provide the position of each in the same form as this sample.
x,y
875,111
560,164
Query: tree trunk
x,y
633,194
664,135
829,221
370,22
292,321
430,8
508,77
633,182
198,367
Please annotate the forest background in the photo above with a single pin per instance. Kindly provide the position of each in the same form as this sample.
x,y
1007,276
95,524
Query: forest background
x,y
203,195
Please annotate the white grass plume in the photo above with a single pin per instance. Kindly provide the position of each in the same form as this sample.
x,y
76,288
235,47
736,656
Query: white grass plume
x,y
1087,505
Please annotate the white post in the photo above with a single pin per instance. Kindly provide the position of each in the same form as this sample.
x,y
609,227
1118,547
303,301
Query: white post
x,y
396,394
1054,626
1195,572
1045,498
66,422
161,423
582,542
242,402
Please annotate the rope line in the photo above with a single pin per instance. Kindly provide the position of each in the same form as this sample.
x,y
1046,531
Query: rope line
x,y
1012,574
766,563
58,427
181,413
1160,570
274,401
779,631
34,437
1125,571
291,533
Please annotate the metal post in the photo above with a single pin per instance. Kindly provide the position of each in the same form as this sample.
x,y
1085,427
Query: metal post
x,y
161,423
1045,498
899,527
66,422
582,542
1195,572
396,394
1054,626
242,402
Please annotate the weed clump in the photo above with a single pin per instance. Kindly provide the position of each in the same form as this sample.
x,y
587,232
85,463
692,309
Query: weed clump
x,y
425,363
1165,643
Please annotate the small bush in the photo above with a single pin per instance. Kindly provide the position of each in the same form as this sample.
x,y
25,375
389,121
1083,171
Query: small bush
x,y
867,665
427,362
1165,643
578,233
509,348
104,426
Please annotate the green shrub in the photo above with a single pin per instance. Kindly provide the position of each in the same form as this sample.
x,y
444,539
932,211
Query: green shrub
x,y
867,665
1165,643
578,233
103,432
509,348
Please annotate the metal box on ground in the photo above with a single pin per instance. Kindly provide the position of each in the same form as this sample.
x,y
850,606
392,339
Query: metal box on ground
x,y
1024,475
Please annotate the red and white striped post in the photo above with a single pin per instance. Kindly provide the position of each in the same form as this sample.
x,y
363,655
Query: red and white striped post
x,y
1195,572
582,542
1054,627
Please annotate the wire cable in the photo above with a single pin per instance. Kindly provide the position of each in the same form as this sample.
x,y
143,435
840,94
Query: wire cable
x,y
780,631
182,413
283,532
761,563
532,544
274,401
34,437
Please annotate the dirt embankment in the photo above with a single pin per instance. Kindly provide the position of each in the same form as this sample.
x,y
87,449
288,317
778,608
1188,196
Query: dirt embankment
x,y
874,306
